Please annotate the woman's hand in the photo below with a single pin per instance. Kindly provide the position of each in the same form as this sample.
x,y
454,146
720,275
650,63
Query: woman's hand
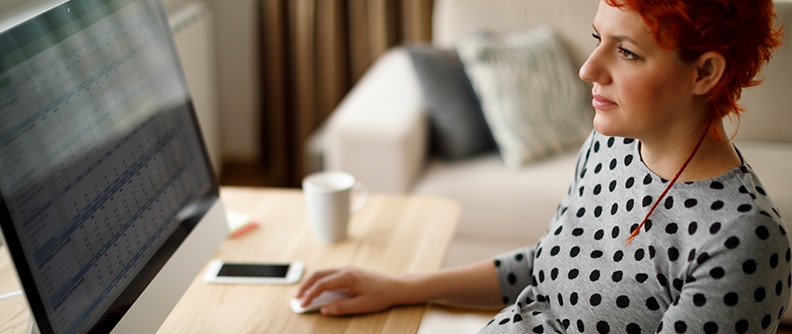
x,y
369,291
473,285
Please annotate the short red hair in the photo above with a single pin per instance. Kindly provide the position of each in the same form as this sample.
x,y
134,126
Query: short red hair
x,y
742,31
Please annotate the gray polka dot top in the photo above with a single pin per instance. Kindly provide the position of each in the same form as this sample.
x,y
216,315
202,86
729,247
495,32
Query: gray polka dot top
x,y
713,257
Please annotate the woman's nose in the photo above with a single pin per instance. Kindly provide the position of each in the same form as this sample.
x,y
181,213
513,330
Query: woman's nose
x,y
592,70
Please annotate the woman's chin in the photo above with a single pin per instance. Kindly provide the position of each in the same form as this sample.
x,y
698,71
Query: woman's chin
x,y
604,126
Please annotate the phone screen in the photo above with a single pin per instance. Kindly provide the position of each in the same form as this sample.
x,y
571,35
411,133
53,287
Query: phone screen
x,y
253,270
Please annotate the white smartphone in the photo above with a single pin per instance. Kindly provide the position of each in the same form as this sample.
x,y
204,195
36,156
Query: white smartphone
x,y
219,271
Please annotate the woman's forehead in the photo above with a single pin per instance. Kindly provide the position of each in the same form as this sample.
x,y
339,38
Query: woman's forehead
x,y
621,24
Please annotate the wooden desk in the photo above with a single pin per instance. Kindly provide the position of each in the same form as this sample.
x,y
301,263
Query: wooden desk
x,y
392,234
13,312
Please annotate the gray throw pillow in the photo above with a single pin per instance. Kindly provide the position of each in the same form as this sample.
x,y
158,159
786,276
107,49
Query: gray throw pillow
x,y
457,128
530,94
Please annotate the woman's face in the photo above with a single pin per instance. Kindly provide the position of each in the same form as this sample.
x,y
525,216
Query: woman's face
x,y
640,90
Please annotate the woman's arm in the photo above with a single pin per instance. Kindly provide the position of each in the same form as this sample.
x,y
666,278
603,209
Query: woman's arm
x,y
473,285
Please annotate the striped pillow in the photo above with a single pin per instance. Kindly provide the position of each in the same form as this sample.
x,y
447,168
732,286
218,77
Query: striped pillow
x,y
532,99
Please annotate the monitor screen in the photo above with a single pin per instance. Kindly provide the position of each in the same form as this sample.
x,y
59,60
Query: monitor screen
x,y
103,172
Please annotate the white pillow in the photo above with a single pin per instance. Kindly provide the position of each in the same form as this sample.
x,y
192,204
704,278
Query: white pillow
x,y
532,99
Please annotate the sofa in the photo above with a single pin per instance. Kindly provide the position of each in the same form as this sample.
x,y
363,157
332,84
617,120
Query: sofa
x,y
381,132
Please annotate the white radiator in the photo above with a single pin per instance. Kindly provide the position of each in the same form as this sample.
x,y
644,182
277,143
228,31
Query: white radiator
x,y
194,35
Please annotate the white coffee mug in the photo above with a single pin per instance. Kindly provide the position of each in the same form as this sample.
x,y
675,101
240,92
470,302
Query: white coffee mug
x,y
328,196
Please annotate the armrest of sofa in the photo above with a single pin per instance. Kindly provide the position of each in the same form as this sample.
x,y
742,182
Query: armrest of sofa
x,y
379,132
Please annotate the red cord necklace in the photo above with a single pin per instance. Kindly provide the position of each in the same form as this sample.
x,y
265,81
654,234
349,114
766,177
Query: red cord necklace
x,y
667,188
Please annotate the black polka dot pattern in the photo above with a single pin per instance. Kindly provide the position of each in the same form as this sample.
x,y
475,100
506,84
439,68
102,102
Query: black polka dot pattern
x,y
711,248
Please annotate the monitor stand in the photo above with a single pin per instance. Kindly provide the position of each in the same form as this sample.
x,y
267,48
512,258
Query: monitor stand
x,y
32,327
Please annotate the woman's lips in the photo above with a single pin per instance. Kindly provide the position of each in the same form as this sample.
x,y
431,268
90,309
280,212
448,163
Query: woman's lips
x,y
599,102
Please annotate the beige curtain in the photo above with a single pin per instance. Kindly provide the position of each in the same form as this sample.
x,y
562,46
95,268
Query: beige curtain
x,y
312,52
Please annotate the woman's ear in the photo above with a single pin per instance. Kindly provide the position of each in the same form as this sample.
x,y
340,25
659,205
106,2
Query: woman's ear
x,y
709,69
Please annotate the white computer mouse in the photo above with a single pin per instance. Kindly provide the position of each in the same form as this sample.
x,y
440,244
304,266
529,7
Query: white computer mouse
x,y
322,299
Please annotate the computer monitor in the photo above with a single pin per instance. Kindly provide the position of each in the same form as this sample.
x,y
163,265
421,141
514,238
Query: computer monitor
x,y
108,203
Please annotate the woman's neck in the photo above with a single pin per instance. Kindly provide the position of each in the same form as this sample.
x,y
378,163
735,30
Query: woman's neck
x,y
666,156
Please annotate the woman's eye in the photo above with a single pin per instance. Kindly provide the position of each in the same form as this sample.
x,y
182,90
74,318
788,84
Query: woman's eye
x,y
597,37
627,54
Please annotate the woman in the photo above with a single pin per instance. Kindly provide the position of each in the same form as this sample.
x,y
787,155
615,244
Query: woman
x,y
665,227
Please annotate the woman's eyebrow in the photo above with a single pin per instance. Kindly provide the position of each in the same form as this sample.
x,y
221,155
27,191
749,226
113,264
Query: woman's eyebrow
x,y
621,38
617,38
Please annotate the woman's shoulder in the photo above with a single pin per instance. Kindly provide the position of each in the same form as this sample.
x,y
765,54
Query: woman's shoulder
x,y
743,192
748,221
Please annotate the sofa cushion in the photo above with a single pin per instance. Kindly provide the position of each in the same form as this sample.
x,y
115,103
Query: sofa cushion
x,y
514,207
457,129
533,101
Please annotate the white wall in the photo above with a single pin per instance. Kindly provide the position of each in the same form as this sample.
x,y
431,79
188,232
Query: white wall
x,y
236,31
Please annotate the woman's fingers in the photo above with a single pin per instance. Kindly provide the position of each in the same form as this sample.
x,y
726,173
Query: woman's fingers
x,y
328,280
312,280
368,291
